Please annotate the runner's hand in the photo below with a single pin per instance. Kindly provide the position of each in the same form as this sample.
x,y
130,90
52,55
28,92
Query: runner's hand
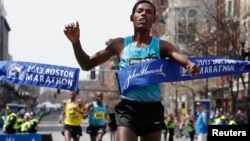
x,y
193,69
72,31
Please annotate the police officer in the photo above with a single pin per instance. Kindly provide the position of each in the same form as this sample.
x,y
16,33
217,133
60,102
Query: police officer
x,y
232,121
223,120
25,124
33,123
171,128
165,128
10,125
19,121
216,119
191,129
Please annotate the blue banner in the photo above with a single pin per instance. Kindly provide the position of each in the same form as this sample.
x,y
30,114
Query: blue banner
x,y
20,137
36,74
166,70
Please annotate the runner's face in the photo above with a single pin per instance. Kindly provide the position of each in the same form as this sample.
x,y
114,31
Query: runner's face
x,y
199,107
143,17
99,97
72,94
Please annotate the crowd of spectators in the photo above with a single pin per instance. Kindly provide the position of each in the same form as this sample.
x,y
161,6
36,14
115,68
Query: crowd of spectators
x,y
183,122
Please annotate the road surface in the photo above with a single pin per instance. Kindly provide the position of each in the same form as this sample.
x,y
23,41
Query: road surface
x,y
50,125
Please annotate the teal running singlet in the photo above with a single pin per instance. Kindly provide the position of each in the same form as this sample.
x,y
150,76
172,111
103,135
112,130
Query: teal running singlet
x,y
133,55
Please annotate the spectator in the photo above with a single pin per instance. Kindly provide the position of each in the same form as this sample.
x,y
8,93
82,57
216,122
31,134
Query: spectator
x,y
201,126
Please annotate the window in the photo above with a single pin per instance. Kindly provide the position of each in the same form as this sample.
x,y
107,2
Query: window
x,y
229,8
181,26
185,25
180,13
191,27
162,2
192,13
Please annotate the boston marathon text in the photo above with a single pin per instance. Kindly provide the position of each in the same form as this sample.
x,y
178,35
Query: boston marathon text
x,y
50,71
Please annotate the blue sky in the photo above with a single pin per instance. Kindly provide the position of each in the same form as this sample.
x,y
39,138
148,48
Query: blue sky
x,y
37,27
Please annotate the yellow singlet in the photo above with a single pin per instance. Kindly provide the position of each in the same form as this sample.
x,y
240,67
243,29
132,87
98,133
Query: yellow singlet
x,y
71,116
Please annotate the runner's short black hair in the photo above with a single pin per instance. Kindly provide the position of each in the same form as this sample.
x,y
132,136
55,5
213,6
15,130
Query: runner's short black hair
x,y
143,1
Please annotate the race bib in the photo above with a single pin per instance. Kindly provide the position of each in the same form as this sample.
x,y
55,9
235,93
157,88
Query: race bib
x,y
99,115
